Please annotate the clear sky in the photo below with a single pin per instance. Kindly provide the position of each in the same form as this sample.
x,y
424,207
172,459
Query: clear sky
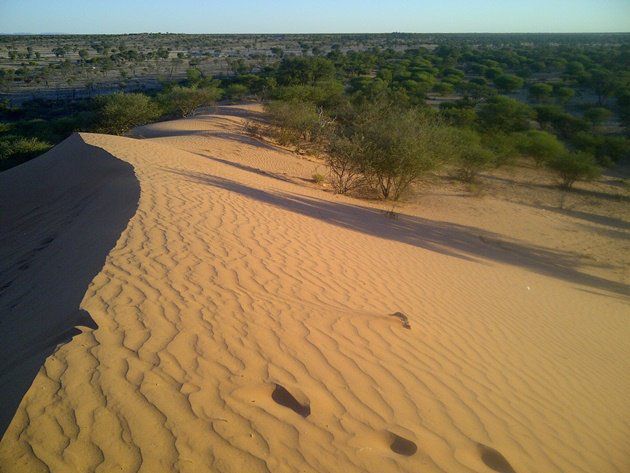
x,y
313,16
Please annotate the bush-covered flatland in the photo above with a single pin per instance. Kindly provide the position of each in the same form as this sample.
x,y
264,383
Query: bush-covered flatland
x,y
382,109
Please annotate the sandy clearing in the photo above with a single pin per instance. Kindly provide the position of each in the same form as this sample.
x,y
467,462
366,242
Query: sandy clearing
x,y
244,324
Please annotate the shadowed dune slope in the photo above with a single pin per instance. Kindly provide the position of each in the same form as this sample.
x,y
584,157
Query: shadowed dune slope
x,y
247,323
60,215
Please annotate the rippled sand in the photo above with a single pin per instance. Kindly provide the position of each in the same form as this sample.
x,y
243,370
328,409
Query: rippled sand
x,y
242,322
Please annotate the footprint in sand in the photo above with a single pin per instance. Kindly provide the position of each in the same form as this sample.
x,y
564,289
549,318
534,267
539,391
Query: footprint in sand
x,y
403,318
401,445
494,460
269,395
381,441
283,397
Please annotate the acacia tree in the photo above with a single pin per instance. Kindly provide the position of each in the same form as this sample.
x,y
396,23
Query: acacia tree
x,y
508,82
597,115
400,147
563,94
502,113
540,145
540,91
344,157
572,167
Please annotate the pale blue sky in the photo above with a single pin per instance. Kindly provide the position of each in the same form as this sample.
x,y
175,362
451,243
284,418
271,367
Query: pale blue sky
x,y
310,16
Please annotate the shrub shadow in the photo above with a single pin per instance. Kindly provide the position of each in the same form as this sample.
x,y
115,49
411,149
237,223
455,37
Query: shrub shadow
x,y
450,239
589,217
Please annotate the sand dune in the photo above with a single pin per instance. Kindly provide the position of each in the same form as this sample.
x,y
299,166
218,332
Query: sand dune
x,y
245,322
61,215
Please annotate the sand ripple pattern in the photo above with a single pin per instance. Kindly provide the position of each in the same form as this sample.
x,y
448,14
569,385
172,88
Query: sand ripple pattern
x,y
238,332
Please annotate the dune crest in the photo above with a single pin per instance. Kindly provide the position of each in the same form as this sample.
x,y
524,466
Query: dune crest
x,y
60,215
245,324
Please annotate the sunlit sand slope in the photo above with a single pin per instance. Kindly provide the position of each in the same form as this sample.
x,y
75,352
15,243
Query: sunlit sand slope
x,y
245,324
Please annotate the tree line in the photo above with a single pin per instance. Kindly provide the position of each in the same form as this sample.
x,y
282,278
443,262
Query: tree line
x,y
370,112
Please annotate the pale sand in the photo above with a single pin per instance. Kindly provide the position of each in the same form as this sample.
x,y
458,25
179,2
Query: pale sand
x,y
234,277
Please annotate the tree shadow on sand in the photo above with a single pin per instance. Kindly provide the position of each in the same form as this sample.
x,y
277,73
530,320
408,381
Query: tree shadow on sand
x,y
446,238
61,215
231,111
223,135
589,217
615,197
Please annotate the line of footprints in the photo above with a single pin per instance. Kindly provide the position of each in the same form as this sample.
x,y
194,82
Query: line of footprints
x,y
399,445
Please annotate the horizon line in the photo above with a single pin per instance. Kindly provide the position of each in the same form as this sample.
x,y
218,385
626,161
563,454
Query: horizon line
x,y
313,33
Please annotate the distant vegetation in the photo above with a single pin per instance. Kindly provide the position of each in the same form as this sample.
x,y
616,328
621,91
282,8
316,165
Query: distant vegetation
x,y
382,109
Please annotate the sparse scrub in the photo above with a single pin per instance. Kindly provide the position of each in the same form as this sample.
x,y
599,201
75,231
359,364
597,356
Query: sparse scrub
x,y
318,178
254,129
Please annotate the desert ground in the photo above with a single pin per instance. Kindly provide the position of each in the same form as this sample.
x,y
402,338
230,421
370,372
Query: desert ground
x,y
186,299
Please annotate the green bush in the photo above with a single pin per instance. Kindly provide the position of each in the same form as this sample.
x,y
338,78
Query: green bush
x,y
304,70
540,91
296,122
16,149
541,146
318,178
563,94
572,167
470,156
443,88
120,112
236,91
555,118
345,158
323,94
607,150
597,115
458,116
500,113
508,82
193,76
183,101
616,148
502,145
400,147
